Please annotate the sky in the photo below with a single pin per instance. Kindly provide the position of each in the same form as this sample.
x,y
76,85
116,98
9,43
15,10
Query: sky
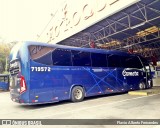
x,y
22,20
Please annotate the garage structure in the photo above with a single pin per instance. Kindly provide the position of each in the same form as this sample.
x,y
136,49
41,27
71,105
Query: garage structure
x,y
135,29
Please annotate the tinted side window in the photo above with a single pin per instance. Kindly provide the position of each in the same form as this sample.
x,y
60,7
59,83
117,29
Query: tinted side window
x,y
81,58
61,57
41,54
133,62
45,59
114,61
123,61
99,60
144,61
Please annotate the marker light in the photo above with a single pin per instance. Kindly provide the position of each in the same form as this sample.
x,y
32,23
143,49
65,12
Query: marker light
x,y
23,86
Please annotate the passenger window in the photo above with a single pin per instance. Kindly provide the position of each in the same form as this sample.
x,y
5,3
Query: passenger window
x,y
61,57
45,59
41,54
114,61
133,62
99,60
123,61
80,58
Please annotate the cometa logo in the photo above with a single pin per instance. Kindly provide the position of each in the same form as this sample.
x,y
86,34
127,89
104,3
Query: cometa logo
x,y
125,73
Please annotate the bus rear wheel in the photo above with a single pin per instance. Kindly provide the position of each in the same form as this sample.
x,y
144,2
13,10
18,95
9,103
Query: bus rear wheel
x,y
142,85
77,94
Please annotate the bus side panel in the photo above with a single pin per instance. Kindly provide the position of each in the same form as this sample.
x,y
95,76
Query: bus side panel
x,y
130,78
123,81
106,79
56,84
44,87
95,80
51,85
83,76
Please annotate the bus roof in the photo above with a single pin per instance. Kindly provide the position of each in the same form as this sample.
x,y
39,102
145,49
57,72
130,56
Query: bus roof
x,y
28,43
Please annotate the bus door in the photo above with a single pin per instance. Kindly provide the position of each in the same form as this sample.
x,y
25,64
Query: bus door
x,y
147,74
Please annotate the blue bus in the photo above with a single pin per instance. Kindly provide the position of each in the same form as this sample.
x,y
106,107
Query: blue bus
x,y
46,73
4,82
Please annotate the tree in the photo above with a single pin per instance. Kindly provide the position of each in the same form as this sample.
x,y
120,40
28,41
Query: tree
x,y
4,53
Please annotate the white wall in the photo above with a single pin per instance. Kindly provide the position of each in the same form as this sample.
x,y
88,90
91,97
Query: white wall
x,y
76,15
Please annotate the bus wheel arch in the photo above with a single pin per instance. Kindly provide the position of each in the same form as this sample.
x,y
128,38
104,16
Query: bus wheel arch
x,y
77,93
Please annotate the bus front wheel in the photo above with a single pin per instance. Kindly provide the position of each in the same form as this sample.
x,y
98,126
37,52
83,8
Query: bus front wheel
x,y
142,85
77,94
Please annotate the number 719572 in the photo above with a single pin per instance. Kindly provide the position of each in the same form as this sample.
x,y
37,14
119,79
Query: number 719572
x,y
40,69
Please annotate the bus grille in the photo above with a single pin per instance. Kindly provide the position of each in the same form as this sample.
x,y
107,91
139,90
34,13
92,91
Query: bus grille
x,y
14,71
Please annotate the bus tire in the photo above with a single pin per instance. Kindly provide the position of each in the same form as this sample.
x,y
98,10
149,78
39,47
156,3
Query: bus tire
x,y
142,85
77,94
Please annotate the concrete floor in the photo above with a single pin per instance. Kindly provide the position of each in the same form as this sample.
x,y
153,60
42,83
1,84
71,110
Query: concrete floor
x,y
120,106
156,81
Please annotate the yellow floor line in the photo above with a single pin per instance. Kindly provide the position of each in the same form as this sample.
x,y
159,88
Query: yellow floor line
x,y
144,92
